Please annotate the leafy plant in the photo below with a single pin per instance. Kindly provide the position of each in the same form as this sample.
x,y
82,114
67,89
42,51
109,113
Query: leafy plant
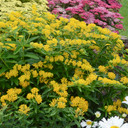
x,y
56,72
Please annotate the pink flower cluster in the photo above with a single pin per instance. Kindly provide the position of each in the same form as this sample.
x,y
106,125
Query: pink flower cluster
x,y
101,12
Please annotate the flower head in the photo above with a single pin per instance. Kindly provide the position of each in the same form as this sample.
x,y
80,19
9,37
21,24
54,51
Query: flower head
x,y
24,109
113,122
88,124
97,114
126,100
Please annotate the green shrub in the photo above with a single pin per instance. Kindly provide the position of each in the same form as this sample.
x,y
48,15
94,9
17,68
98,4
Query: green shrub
x,y
7,6
56,72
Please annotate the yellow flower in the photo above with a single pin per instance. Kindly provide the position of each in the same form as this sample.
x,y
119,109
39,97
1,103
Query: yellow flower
x,y
2,25
61,105
19,67
102,69
34,90
53,103
78,112
62,99
111,75
117,103
40,64
80,103
108,81
81,81
17,90
22,78
34,73
114,35
35,65
38,98
4,104
3,98
36,45
30,96
24,84
24,109
79,63
47,48
124,80
110,108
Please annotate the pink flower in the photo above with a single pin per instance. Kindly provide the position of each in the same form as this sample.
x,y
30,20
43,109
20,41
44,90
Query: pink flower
x,y
104,14
64,1
119,26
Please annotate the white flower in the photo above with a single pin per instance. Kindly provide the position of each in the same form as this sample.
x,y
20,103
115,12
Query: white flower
x,y
126,102
113,122
95,124
88,124
83,124
97,114
124,115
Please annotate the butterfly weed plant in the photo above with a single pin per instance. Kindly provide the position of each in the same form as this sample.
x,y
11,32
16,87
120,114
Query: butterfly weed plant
x,y
56,72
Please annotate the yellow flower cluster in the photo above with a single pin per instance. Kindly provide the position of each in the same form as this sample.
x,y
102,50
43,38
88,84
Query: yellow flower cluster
x,y
24,79
80,103
105,31
44,76
91,77
117,60
38,65
36,45
69,42
34,94
111,75
11,73
108,81
8,46
116,107
84,64
60,89
54,58
102,69
119,45
24,109
40,46
41,64
79,74
11,96
124,80
60,102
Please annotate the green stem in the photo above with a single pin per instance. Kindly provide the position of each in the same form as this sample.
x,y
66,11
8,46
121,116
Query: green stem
x,y
4,62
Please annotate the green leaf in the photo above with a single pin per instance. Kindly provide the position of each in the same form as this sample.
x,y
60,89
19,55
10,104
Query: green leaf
x,y
33,38
11,61
3,70
17,50
103,50
53,113
11,56
16,81
31,55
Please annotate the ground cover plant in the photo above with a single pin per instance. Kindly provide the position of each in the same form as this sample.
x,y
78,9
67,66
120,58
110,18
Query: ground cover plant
x,y
101,12
57,72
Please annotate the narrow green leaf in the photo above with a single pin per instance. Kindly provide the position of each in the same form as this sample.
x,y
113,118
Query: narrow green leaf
x,y
31,55
17,50
3,70
33,38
